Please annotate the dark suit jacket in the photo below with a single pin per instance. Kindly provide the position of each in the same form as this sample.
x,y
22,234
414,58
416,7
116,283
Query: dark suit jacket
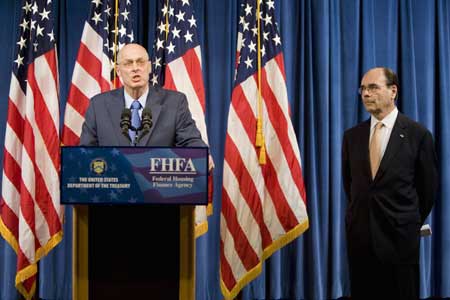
x,y
384,215
173,125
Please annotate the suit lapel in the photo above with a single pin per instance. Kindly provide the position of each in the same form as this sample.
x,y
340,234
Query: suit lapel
x,y
365,134
115,105
398,136
153,103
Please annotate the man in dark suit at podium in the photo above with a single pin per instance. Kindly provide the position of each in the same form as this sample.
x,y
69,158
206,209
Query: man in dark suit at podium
x,y
129,245
390,178
172,126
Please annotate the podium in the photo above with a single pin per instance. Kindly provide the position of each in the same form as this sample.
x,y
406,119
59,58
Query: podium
x,y
134,219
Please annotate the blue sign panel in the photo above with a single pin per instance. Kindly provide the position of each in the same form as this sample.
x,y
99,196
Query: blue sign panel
x,y
131,175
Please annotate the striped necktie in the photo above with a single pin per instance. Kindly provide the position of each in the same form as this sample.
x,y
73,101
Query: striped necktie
x,y
135,120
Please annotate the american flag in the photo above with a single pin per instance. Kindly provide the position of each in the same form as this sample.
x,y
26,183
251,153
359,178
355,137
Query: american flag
x,y
94,69
177,65
263,204
31,216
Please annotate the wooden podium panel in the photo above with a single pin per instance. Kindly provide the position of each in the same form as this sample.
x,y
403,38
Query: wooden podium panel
x,y
134,252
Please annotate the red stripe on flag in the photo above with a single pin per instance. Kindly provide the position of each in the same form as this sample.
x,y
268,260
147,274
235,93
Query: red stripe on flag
x,y
69,137
91,64
12,169
244,112
44,201
243,247
26,199
280,62
44,120
50,57
15,120
280,125
22,262
284,212
225,269
194,70
168,80
28,283
10,219
78,100
247,188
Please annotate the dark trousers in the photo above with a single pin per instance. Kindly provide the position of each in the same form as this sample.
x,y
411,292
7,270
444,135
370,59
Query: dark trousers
x,y
371,279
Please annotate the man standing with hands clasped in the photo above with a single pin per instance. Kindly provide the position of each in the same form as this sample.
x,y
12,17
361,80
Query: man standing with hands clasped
x,y
390,178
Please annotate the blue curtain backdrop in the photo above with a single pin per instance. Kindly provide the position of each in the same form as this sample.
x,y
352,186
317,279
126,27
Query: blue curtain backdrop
x,y
328,45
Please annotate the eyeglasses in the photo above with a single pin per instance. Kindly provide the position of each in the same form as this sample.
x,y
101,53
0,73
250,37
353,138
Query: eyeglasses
x,y
371,88
140,62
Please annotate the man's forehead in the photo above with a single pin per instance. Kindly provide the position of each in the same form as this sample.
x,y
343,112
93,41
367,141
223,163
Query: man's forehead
x,y
374,76
133,52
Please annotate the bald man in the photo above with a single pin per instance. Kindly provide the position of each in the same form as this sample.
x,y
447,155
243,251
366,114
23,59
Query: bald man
x,y
173,125
127,243
390,177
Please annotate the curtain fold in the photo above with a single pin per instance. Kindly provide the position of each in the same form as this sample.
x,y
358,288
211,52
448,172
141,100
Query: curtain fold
x,y
328,45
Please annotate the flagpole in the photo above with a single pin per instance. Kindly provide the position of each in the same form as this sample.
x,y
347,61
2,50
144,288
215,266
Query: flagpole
x,y
115,45
167,20
259,132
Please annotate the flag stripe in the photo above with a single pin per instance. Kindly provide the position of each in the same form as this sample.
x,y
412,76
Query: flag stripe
x,y
191,60
50,58
44,120
70,137
17,97
250,192
11,222
234,263
78,101
179,80
87,84
292,152
93,66
245,247
276,116
225,267
10,192
92,41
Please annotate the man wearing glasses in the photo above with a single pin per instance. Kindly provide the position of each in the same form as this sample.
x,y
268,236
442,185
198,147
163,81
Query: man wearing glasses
x,y
120,231
172,124
389,171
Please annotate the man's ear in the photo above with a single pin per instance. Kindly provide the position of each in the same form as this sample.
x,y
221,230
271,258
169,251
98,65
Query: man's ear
x,y
394,90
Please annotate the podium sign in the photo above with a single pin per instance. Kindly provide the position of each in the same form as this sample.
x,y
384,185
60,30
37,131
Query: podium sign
x,y
134,175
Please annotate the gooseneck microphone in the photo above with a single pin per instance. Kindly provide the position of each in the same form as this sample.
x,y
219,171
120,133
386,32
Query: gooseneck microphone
x,y
146,124
125,122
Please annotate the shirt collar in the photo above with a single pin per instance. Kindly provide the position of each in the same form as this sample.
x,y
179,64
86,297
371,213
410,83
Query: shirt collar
x,y
129,100
388,121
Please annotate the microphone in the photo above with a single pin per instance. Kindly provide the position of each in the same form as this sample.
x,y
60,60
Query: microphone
x,y
125,122
146,124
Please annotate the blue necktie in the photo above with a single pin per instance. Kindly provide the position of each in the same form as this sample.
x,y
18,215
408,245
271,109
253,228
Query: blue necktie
x,y
135,120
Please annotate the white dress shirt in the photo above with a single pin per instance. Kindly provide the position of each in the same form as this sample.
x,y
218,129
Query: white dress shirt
x,y
386,130
142,99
